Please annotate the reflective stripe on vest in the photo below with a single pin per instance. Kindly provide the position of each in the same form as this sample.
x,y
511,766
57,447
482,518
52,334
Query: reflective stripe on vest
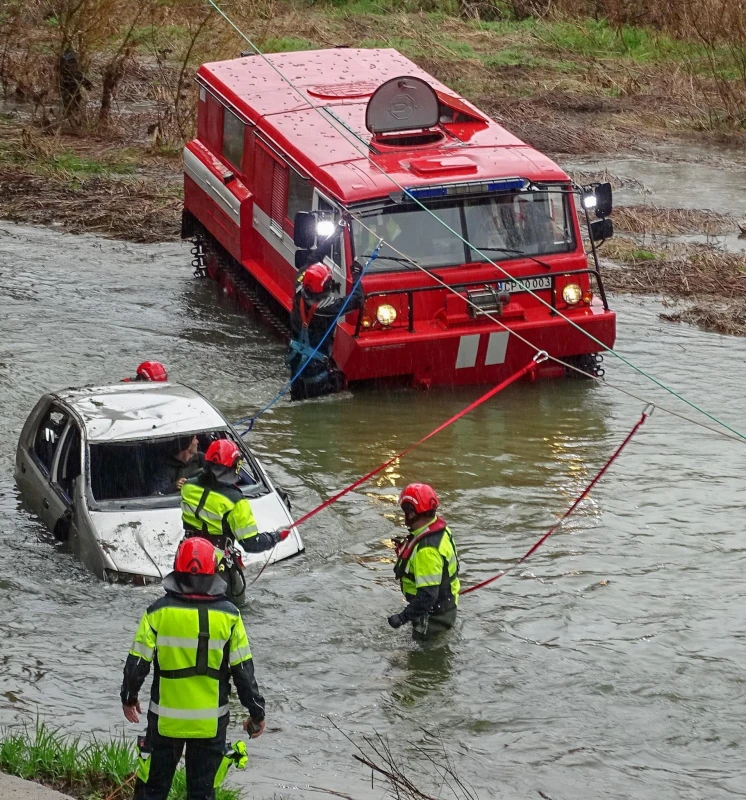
x,y
188,713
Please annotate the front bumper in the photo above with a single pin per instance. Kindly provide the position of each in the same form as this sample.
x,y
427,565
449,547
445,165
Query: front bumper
x,y
469,354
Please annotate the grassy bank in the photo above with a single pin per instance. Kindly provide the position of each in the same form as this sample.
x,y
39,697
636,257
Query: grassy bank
x,y
93,770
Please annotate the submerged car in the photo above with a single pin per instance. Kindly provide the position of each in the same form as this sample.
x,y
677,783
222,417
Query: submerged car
x,y
87,463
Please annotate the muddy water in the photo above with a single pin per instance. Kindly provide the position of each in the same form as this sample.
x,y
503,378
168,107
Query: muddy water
x,y
670,179
612,664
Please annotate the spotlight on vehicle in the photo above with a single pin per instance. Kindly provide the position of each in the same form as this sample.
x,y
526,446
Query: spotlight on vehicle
x,y
589,202
572,294
386,314
325,228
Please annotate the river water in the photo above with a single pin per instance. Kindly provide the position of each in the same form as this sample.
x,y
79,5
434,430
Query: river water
x,y
610,664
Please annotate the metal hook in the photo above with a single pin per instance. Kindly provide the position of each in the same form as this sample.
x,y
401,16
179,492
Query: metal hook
x,y
649,413
541,356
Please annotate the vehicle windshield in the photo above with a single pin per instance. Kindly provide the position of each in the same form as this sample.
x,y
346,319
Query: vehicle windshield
x,y
502,226
145,473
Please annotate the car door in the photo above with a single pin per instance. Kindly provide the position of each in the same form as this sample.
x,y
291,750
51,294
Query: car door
x,y
328,210
36,464
66,482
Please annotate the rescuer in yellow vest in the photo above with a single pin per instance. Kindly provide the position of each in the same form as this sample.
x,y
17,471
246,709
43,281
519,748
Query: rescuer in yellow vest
x,y
196,641
427,565
212,504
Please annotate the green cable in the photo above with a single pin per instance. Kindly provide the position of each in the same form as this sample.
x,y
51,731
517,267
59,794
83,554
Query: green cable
x,y
466,241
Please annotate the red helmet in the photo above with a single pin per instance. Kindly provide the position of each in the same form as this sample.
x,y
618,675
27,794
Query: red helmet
x,y
152,371
223,452
195,556
421,497
317,278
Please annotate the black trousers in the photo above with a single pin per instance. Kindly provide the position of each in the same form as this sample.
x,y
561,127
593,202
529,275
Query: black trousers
x,y
203,757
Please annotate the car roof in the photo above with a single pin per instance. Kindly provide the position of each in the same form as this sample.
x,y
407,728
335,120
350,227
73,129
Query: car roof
x,y
140,410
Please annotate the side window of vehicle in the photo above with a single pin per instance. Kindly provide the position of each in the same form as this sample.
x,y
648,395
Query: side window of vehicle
x,y
68,465
233,138
328,211
48,436
300,195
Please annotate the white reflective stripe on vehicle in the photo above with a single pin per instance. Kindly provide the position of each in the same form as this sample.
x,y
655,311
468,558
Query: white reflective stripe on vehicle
x,y
212,185
467,351
497,346
202,514
181,641
247,530
427,580
188,713
239,655
142,650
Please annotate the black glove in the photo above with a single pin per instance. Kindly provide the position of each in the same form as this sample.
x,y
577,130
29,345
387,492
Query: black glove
x,y
280,536
396,621
356,269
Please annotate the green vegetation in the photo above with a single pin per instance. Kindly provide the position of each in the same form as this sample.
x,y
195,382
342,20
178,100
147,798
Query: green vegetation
x,y
89,771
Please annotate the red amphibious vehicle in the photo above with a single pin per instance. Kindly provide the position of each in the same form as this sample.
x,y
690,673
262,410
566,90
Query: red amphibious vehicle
x,y
368,137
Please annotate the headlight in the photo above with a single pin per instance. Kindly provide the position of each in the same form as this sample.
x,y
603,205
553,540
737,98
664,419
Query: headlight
x,y
325,228
386,314
589,201
572,294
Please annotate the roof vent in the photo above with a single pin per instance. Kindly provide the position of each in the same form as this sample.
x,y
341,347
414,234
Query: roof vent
x,y
402,104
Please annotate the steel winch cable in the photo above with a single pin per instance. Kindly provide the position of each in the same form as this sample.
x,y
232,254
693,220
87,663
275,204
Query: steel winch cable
x,y
558,361
342,130
531,365
645,414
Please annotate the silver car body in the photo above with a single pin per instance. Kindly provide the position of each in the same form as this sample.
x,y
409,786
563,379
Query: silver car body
x,y
134,536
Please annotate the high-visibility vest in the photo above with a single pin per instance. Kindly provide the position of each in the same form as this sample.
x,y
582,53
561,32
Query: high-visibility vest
x,y
193,644
429,558
216,512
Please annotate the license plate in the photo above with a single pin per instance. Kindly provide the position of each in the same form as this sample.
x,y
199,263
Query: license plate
x,y
534,284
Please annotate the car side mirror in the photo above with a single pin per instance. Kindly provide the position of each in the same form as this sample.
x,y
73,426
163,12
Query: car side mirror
x,y
603,200
304,230
602,229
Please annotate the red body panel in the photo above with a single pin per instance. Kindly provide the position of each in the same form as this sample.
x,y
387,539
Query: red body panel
x,y
328,147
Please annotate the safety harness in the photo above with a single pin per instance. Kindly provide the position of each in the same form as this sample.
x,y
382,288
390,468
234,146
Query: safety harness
x,y
302,346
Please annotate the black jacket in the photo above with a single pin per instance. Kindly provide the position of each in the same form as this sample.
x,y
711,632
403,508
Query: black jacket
x,y
329,305
171,470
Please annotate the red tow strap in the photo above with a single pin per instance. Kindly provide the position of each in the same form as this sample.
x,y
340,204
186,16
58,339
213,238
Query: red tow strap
x,y
569,511
478,402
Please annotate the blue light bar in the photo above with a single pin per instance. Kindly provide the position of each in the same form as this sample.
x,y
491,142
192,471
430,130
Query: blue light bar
x,y
473,187
423,192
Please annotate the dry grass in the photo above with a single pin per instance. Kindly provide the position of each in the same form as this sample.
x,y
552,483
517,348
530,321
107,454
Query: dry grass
x,y
713,314
137,209
671,221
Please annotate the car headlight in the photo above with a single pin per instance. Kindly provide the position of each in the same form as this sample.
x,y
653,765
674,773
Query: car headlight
x,y
386,314
572,294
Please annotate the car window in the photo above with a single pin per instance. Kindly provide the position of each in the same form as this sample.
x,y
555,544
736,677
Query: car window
x,y
68,464
151,468
48,436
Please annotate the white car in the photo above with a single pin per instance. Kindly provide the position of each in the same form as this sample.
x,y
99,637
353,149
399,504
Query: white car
x,y
85,462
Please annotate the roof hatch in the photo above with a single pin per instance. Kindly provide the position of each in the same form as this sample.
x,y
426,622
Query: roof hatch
x,y
402,104
430,167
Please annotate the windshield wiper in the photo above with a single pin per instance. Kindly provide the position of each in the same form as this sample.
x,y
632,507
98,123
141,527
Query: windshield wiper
x,y
515,252
407,261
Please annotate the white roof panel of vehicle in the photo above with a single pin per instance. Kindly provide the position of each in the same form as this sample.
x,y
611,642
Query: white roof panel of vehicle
x,y
141,410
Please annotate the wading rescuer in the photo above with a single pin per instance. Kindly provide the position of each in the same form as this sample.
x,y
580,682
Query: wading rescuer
x,y
427,565
213,507
149,371
196,640
315,309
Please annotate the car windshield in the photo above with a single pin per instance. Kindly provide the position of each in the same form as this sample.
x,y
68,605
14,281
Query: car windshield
x,y
146,473
502,226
